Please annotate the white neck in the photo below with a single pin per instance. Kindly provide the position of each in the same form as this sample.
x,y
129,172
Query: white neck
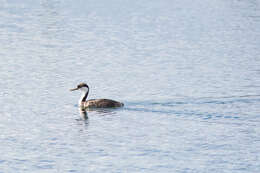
x,y
84,91
81,97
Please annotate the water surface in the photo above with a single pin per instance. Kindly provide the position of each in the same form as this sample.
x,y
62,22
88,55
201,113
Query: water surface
x,y
187,71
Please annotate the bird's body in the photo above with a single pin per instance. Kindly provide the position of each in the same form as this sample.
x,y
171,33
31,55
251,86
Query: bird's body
x,y
94,103
101,103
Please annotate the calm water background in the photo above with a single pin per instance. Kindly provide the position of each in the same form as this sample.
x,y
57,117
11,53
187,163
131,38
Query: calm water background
x,y
188,72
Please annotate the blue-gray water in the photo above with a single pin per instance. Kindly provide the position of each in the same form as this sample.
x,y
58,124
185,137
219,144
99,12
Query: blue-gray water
x,y
188,72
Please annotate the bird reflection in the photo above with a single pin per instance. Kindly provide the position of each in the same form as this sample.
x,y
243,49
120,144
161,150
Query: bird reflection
x,y
103,112
83,113
83,121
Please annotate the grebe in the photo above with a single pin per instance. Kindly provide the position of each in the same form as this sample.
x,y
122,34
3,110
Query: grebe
x,y
94,103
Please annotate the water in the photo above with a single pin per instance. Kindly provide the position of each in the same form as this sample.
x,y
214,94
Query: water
x,y
187,71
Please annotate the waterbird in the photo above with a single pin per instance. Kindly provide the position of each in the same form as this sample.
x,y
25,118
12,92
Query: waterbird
x,y
94,103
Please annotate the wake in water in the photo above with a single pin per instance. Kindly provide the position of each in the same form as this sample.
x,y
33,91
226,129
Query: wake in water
x,y
228,107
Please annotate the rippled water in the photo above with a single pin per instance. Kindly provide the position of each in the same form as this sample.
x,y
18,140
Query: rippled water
x,y
187,71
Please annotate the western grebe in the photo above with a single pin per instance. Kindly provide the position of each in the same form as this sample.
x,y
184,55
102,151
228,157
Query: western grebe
x,y
94,103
